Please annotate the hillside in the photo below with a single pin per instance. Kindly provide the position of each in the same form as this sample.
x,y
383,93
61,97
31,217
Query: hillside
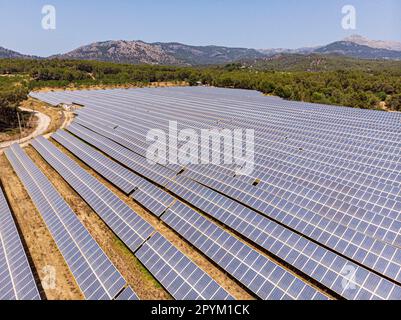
x,y
379,44
139,52
351,49
207,55
10,54
318,62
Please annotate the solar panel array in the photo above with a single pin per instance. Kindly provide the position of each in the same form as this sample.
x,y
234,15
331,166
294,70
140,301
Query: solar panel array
x,y
16,278
93,271
125,223
183,279
326,188
266,279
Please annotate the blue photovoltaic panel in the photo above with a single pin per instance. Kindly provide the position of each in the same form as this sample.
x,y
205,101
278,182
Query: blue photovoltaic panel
x,y
153,198
125,223
179,275
127,294
95,274
16,278
112,171
259,274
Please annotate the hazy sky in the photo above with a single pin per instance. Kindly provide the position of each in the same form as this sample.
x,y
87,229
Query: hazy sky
x,y
242,23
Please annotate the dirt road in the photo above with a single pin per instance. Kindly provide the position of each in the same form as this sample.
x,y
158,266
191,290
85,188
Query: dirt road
x,y
43,124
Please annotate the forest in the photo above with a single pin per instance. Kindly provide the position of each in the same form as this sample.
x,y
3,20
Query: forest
x,y
348,82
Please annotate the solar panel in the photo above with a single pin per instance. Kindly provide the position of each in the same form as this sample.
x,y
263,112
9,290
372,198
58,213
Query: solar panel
x,y
112,171
153,198
127,294
125,223
95,274
259,274
179,275
16,278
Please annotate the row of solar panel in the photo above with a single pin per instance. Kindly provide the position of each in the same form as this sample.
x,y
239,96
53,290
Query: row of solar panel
x,y
161,197
16,277
183,279
132,229
262,276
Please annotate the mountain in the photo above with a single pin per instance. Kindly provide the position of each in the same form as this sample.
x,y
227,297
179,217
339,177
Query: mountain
x,y
204,55
172,53
9,54
273,52
378,44
351,49
135,52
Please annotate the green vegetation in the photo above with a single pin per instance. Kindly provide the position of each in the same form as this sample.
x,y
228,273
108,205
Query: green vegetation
x,y
13,89
320,79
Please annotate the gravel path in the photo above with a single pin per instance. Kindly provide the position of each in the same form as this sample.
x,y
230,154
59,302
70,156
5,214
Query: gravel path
x,y
42,125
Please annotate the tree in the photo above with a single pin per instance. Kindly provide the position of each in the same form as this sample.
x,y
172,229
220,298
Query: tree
x,y
394,102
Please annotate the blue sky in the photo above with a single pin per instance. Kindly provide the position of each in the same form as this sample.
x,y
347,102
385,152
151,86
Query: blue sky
x,y
242,23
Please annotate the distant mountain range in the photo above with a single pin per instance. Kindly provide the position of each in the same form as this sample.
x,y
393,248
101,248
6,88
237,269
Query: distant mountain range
x,y
9,54
139,52
159,53
378,44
